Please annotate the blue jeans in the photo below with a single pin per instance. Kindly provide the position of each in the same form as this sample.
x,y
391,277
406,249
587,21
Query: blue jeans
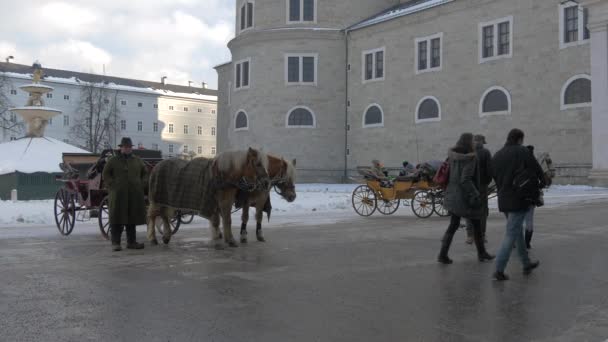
x,y
529,220
513,235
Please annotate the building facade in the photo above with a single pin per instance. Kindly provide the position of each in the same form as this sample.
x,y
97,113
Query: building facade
x,y
176,120
336,84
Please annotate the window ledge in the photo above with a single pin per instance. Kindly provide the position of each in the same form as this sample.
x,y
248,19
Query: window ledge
x,y
490,59
373,80
424,71
504,112
374,125
422,121
563,45
576,105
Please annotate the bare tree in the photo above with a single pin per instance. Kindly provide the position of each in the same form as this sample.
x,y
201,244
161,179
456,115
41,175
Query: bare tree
x,y
95,124
8,120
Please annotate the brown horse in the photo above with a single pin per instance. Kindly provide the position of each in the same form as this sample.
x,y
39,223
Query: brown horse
x,y
207,186
282,177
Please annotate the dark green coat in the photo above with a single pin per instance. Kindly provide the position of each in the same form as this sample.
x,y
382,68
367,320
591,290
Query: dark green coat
x,y
125,179
462,196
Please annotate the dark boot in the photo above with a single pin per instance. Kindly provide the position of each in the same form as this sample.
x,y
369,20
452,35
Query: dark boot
x,y
482,254
132,237
445,247
528,239
500,276
116,233
531,266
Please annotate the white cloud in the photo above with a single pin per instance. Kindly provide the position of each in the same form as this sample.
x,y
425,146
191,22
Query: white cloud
x,y
146,39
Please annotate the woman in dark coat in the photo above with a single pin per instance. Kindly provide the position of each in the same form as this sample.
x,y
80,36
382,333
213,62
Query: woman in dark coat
x,y
462,196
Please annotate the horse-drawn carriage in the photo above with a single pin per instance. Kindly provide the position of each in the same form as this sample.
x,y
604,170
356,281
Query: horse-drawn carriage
x,y
83,196
385,196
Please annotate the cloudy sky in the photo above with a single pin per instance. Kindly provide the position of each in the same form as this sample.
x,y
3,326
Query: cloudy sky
x,y
144,39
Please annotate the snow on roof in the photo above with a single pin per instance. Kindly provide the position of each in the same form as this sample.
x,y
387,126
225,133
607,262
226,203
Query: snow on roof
x,y
399,11
29,155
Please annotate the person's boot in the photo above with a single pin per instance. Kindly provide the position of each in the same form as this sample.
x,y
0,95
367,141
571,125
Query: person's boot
x,y
116,232
528,239
500,276
445,247
531,266
482,254
131,239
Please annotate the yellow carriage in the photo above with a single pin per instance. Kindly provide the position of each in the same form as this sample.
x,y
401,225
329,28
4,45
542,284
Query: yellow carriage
x,y
386,196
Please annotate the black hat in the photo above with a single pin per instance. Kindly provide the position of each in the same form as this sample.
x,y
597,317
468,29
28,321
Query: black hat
x,y
480,139
125,141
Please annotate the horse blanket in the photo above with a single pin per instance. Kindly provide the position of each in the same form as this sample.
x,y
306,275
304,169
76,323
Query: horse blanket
x,y
184,184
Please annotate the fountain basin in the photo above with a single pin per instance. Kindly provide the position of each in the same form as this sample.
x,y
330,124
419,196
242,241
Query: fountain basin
x,y
36,88
30,113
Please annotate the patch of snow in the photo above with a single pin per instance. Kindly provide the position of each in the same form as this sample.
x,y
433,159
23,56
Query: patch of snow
x,y
29,155
400,12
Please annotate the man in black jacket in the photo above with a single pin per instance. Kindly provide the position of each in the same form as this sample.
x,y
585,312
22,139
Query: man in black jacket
x,y
484,160
509,164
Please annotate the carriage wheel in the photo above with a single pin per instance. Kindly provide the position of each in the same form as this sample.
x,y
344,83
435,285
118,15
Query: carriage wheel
x,y
186,218
104,219
65,212
387,207
422,204
175,223
438,207
364,200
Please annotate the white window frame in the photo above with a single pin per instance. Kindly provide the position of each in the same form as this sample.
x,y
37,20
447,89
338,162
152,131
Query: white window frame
x,y
437,119
186,129
155,127
170,148
242,128
123,127
244,3
200,150
494,24
562,101
301,21
170,128
199,130
301,66
213,130
66,97
185,149
213,150
242,87
123,102
374,63
483,97
429,52
140,126
66,121
562,26
314,118
365,112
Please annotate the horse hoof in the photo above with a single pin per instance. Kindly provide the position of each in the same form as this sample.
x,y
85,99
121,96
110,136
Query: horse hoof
x,y
166,240
261,238
219,246
154,242
243,239
220,236
232,244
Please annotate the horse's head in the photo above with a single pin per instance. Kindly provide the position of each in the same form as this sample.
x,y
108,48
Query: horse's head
x,y
284,180
256,169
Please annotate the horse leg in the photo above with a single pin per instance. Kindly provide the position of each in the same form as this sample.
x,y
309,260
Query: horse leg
x,y
152,214
214,222
167,212
244,220
259,216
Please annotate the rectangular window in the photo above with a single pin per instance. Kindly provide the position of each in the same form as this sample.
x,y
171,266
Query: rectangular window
x,y
185,109
213,111
13,138
242,73
66,97
139,104
13,92
123,102
586,32
213,151
13,117
200,110
495,39
200,150
422,55
185,129
213,131
573,20
140,126
185,148
373,65
300,11
247,15
571,16
170,107
200,130
170,128
170,148
435,53
155,127
155,106
123,125
49,95
66,120
301,69
106,101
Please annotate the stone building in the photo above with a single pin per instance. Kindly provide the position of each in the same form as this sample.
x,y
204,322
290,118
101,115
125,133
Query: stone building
x,y
336,84
171,118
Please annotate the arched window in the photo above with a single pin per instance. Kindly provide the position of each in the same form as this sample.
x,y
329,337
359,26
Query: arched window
x,y
576,92
241,121
495,101
428,109
373,116
301,117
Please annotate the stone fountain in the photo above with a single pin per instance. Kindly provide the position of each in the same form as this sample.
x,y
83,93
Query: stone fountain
x,y
34,113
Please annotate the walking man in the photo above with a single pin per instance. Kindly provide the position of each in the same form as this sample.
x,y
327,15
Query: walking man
x,y
518,177
484,159
124,177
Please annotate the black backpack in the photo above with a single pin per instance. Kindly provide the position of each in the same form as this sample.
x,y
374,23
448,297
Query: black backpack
x,y
526,185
